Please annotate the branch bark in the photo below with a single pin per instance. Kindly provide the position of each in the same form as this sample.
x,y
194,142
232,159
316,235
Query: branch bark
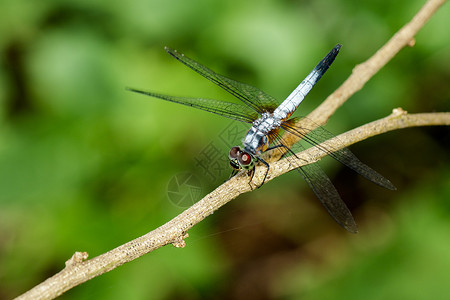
x,y
78,269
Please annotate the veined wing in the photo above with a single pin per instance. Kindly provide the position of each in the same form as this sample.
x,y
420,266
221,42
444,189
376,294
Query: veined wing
x,y
315,134
251,96
230,110
323,188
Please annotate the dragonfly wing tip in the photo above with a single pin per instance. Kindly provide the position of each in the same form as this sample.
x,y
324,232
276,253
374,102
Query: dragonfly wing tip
x,y
352,227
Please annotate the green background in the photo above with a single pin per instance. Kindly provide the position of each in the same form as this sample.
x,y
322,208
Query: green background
x,y
85,164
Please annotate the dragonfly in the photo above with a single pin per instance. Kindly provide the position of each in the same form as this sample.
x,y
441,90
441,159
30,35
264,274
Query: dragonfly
x,y
268,119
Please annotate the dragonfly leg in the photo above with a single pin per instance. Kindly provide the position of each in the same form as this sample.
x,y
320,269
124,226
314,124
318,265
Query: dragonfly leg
x,y
252,173
236,170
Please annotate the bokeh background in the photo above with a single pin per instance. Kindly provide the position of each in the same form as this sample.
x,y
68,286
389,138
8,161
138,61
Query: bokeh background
x,y
86,165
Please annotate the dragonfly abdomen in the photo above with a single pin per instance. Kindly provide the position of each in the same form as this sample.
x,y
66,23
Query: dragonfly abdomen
x,y
291,103
287,108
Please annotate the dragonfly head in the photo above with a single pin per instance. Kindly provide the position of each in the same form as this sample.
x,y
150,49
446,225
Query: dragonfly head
x,y
241,159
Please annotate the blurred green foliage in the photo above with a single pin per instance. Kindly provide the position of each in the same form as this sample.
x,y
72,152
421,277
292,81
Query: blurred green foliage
x,y
84,164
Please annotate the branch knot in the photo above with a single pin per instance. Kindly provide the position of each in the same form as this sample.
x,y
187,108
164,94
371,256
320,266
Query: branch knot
x,y
77,258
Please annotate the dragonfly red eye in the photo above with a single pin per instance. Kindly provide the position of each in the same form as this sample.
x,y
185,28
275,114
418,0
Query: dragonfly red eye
x,y
234,152
245,159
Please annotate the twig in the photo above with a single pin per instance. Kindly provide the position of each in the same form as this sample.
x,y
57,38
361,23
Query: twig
x,y
364,71
399,119
79,270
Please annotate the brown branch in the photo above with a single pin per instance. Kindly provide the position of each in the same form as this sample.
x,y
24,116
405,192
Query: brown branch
x,y
399,119
364,71
79,270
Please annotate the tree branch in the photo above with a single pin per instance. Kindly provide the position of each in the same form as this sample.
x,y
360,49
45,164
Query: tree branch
x,y
79,270
399,119
364,71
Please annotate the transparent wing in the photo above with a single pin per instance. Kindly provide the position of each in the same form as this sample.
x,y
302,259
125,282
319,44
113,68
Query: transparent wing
x,y
315,134
227,109
322,187
251,96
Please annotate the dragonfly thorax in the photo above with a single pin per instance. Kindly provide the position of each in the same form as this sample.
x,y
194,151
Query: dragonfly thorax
x,y
256,140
